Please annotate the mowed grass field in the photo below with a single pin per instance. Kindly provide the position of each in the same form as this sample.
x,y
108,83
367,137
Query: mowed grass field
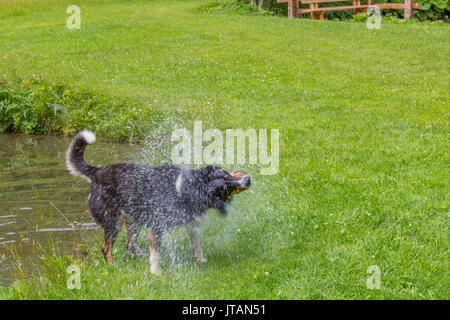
x,y
363,117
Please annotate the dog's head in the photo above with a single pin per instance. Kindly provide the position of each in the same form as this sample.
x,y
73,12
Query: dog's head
x,y
221,186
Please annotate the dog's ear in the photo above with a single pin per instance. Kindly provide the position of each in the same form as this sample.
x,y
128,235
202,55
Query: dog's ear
x,y
208,172
210,169
214,185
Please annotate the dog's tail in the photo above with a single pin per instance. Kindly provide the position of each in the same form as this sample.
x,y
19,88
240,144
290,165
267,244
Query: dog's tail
x,y
74,155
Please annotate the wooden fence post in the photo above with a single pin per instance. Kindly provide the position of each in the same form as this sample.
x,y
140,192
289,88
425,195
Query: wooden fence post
x,y
292,8
409,7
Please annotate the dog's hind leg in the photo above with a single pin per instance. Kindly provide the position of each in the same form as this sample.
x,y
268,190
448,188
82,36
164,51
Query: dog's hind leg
x,y
154,240
192,229
133,229
111,232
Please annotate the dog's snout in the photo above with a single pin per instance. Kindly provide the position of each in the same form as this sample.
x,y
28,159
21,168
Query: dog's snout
x,y
245,181
242,181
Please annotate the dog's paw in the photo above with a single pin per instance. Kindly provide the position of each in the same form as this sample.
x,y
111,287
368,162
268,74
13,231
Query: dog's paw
x,y
155,270
201,259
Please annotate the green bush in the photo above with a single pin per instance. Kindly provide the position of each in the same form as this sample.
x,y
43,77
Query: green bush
x,y
433,10
241,7
428,10
33,107
36,111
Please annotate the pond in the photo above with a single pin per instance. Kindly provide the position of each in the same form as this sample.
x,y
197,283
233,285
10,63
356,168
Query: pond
x,y
40,201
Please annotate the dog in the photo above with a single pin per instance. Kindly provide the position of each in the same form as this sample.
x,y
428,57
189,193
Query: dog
x,y
159,198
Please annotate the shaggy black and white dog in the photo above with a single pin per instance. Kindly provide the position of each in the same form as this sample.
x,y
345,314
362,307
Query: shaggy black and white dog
x,y
159,198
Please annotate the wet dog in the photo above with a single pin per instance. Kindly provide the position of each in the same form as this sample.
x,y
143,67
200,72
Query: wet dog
x,y
159,198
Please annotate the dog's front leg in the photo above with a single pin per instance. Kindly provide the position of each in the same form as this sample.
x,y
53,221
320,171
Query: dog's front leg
x,y
192,229
154,240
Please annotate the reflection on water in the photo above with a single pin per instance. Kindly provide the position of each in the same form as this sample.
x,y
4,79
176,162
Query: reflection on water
x,y
40,201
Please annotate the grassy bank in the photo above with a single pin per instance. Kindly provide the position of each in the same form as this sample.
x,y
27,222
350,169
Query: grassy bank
x,y
363,120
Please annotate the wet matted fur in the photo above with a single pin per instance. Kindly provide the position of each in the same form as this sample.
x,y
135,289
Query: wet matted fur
x,y
159,198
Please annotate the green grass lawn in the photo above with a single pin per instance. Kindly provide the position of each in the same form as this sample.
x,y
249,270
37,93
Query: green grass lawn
x,y
363,118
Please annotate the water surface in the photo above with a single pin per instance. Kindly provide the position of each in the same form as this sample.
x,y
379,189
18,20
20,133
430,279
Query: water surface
x,y
40,201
